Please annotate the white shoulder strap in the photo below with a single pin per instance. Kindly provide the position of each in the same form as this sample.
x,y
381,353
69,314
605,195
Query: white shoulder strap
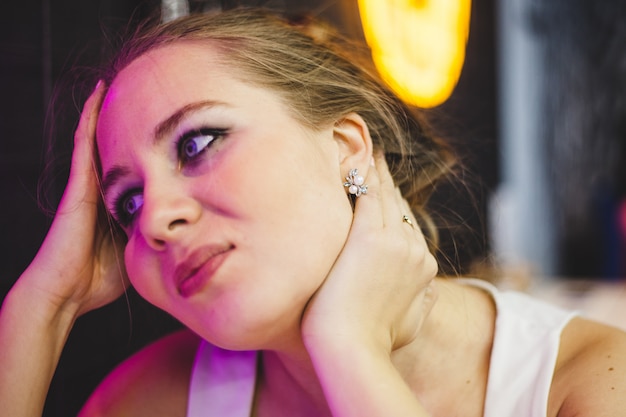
x,y
222,382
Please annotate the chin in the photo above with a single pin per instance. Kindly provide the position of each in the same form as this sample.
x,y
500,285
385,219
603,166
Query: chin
x,y
248,330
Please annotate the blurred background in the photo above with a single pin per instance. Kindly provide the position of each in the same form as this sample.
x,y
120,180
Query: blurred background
x,y
534,101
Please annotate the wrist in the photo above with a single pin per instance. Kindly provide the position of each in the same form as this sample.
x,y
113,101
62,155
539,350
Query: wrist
x,y
362,379
40,308
32,336
336,343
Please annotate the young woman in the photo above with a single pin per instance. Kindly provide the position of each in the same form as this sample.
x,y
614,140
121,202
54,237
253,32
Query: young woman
x,y
268,192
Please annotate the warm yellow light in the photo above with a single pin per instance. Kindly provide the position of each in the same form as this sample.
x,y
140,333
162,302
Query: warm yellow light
x,y
418,46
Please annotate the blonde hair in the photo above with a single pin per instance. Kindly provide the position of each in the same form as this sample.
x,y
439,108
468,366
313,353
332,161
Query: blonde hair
x,y
321,77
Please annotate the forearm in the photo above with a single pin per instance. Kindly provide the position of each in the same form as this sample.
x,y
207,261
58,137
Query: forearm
x,y
32,337
363,382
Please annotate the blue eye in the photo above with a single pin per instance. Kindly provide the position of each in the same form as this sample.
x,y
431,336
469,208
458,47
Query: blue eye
x,y
194,143
127,206
132,204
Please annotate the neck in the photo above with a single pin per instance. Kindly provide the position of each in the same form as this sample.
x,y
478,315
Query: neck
x,y
287,382
452,350
289,386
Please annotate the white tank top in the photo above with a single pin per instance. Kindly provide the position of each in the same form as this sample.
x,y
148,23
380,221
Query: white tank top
x,y
525,348
524,353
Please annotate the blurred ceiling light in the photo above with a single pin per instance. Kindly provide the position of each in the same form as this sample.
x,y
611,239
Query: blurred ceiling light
x,y
418,46
173,9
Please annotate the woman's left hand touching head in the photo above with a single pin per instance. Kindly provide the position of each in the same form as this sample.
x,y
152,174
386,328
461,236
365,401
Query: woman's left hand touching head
x,y
381,287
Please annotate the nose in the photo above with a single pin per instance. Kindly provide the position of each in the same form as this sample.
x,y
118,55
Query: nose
x,y
168,211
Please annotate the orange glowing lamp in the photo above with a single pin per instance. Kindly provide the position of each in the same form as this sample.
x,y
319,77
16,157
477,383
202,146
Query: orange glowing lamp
x,y
418,46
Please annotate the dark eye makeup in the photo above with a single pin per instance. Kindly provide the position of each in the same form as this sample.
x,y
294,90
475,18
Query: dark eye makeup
x,y
126,205
195,142
190,146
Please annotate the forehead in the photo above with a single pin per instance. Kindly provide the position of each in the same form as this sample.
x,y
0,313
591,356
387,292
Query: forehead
x,y
160,82
172,72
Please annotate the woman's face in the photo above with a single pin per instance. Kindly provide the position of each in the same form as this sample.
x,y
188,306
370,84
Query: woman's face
x,y
234,211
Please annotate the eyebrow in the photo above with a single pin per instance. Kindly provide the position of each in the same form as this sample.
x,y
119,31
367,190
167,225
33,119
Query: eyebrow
x,y
112,176
162,130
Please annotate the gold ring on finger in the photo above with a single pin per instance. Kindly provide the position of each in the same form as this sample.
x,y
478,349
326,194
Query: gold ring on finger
x,y
406,219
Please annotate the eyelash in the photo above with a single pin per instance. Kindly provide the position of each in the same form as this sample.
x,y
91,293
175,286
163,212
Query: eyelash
x,y
120,215
119,204
184,139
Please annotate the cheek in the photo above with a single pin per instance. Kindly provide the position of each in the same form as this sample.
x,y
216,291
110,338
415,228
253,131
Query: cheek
x,y
143,275
293,209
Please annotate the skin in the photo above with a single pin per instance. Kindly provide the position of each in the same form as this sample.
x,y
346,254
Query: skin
x,y
226,198
257,297
347,328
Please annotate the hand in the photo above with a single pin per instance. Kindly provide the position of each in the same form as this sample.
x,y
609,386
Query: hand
x,y
78,265
381,287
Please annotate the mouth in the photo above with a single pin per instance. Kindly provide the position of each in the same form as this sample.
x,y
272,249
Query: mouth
x,y
198,269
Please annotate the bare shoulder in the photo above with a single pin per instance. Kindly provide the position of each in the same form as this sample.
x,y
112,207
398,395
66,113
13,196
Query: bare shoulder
x,y
153,382
590,376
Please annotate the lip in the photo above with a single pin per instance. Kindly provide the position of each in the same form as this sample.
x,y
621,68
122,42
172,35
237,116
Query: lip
x,y
197,269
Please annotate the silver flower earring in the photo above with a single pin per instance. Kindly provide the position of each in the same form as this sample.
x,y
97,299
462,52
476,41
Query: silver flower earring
x,y
355,183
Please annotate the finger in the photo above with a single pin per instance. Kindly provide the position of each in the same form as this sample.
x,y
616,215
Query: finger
x,y
412,221
82,183
368,212
396,208
404,209
392,207
431,264
383,206
86,131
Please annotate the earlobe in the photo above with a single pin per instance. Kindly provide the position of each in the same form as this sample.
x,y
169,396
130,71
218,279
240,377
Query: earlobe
x,y
354,142
355,183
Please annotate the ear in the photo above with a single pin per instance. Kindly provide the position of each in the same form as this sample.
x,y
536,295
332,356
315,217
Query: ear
x,y
354,143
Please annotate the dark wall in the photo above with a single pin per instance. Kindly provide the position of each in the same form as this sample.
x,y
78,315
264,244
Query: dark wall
x,y
584,48
468,119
